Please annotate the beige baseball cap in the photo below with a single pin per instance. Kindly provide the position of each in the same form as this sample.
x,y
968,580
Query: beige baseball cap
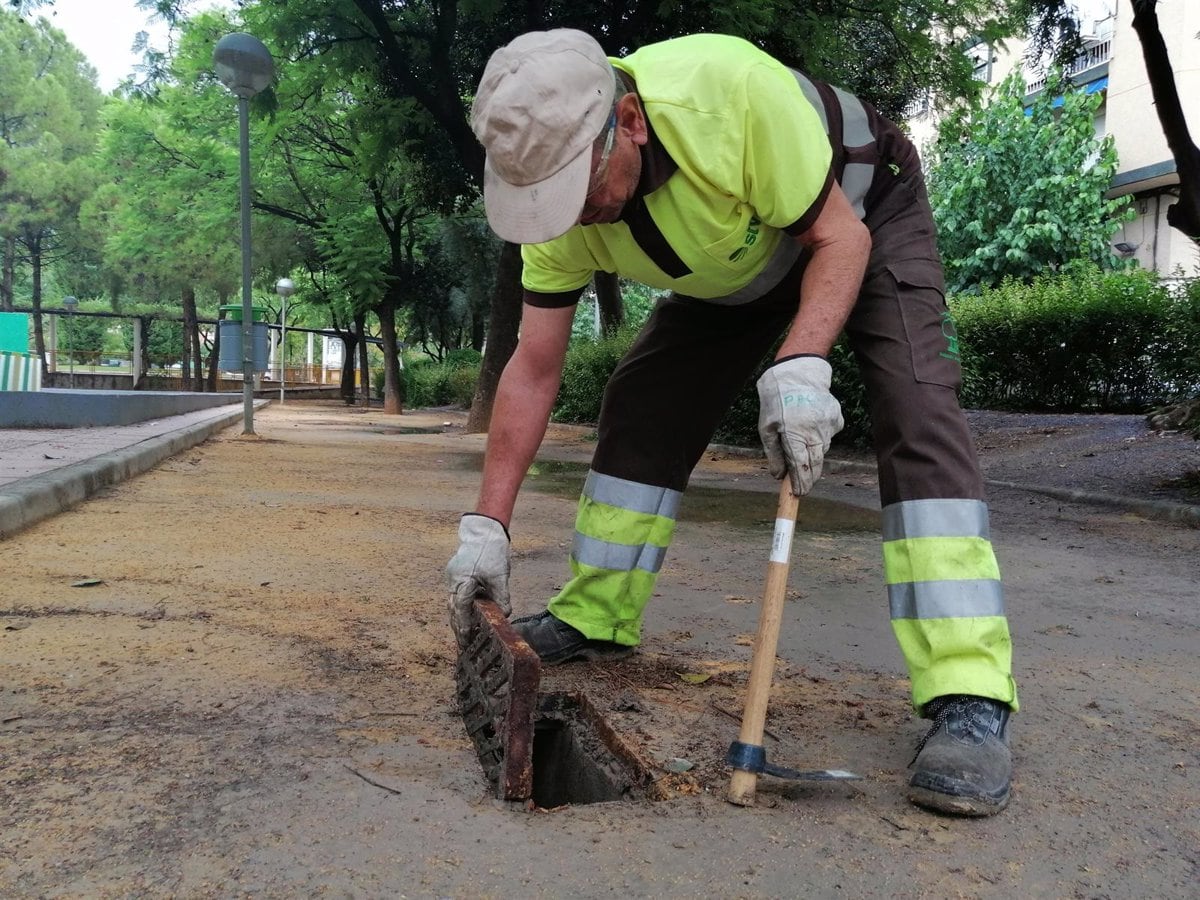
x,y
543,100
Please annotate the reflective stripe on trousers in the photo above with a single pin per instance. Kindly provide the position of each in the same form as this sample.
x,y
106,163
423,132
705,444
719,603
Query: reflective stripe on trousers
x,y
946,601
622,531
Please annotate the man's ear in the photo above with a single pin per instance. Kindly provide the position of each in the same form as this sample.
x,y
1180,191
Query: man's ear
x,y
631,117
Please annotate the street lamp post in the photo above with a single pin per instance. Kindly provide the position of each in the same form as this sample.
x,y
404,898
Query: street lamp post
x,y
71,304
284,287
244,65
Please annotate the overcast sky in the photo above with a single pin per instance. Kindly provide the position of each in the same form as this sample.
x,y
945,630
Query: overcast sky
x,y
104,30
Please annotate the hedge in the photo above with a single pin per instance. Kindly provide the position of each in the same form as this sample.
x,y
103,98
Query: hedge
x,y
1089,342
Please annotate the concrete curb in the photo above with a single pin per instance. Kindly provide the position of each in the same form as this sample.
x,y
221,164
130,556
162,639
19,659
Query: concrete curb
x,y
31,500
1164,510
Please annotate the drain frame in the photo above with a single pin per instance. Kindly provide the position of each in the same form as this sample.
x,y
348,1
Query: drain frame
x,y
498,681
614,760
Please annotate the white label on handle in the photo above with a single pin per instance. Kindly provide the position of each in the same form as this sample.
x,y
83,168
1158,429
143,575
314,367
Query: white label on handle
x,y
781,544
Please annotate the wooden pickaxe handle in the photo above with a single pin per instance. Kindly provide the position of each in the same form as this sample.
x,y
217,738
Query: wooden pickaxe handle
x,y
762,667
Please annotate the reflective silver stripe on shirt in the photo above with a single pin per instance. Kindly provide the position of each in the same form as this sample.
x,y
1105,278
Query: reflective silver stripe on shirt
x,y
618,557
946,599
632,496
813,96
935,518
856,133
856,127
781,261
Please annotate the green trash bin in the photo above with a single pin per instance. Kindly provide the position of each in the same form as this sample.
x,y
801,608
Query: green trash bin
x,y
229,332
233,312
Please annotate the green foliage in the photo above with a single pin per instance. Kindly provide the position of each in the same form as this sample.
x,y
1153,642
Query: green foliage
x,y
637,301
1018,192
1084,341
450,382
1177,356
49,107
586,372
464,358
449,290
84,335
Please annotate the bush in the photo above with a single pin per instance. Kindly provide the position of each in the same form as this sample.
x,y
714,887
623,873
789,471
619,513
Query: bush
x,y
462,384
587,370
1177,355
464,358
449,383
1087,341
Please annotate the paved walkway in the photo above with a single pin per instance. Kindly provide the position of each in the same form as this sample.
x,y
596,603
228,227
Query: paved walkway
x,y
46,470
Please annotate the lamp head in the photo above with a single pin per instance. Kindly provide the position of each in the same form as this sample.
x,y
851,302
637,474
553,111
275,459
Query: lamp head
x,y
243,63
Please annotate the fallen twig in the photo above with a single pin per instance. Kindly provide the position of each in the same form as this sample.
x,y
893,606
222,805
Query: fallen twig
x,y
723,711
371,781
372,715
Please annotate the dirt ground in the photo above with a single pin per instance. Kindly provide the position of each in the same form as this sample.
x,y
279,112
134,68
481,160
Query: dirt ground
x,y
232,676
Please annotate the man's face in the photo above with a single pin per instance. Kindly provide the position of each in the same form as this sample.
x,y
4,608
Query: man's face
x,y
616,166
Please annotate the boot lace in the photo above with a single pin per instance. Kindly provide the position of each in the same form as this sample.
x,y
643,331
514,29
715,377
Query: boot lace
x,y
941,708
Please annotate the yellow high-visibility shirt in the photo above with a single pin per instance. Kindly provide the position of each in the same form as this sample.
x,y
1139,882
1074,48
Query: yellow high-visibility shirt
x,y
753,159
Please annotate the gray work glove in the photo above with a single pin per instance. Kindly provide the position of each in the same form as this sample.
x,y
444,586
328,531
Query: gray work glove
x,y
480,566
797,418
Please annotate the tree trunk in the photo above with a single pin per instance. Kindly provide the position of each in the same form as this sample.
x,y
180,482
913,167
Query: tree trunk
x,y
213,357
143,324
392,401
349,360
503,329
7,265
364,368
608,295
478,329
39,338
1185,214
191,340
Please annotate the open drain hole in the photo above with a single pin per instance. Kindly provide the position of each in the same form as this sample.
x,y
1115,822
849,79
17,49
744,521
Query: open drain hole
x,y
578,758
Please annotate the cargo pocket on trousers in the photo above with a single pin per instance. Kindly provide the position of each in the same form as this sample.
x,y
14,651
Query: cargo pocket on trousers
x,y
928,325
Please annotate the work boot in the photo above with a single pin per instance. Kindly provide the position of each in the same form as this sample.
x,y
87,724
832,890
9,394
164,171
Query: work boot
x,y
963,765
554,641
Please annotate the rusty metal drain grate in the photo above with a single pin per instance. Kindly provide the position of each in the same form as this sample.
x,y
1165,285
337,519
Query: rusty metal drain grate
x,y
497,679
553,749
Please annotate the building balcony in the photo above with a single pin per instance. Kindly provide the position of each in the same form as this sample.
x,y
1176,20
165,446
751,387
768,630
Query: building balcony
x,y
1078,70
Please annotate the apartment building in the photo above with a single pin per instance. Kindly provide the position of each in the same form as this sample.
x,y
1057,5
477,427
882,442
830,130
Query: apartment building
x,y
1111,64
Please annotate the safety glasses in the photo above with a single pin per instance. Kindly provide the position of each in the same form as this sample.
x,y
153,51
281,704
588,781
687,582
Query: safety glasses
x,y
597,180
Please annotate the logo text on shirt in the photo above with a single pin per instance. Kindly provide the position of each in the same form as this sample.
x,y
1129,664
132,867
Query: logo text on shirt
x,y
748,241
